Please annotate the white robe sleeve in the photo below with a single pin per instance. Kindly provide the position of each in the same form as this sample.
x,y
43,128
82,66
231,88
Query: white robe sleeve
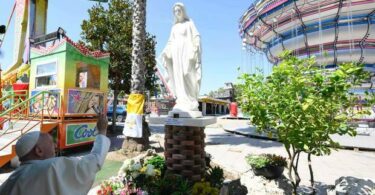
x,y
76,175
58,176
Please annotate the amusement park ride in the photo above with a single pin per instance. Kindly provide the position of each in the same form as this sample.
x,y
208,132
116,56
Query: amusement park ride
x,y
335,31
54,84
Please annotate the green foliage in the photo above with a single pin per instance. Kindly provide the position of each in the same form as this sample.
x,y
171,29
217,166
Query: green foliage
x,y
264,160
171,185
110,30
215,176
276,160
237,90
257,161
204,188
303,103
158,162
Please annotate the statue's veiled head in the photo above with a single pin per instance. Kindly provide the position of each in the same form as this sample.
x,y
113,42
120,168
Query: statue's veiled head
x,y
179,13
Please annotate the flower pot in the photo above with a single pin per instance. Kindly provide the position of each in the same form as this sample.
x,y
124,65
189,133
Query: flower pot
x,y
269,172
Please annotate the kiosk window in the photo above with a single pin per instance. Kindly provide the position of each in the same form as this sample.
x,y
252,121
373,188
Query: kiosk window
x,y
46,74
88,76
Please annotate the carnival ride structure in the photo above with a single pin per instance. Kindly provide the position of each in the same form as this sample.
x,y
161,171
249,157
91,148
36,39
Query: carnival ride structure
x,y
64,80
334,31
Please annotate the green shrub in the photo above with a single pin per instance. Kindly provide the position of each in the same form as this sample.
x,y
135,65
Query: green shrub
x,y
158,162
303,104
204,188
171,185
276,160
215,176
257,161
264,160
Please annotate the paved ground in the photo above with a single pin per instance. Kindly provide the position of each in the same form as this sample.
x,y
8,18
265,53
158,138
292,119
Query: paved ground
x,y
230,150
365,138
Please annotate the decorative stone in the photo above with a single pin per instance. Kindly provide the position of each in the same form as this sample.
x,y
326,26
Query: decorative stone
x,y
261,185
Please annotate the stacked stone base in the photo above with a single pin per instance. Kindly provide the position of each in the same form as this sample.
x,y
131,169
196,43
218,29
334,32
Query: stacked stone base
x,y
184,151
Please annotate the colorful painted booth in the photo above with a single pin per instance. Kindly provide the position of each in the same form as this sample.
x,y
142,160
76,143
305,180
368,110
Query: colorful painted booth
x,y
78,81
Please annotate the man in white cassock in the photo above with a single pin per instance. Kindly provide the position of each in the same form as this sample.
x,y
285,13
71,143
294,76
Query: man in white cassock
x,y
43,173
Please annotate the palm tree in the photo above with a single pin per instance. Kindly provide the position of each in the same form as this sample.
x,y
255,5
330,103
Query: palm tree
x,y
131,144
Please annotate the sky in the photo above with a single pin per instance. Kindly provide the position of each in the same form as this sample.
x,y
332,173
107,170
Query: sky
x,y
216,21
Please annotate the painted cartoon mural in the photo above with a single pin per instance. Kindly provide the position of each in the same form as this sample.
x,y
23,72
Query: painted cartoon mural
x,y
81,102
50,105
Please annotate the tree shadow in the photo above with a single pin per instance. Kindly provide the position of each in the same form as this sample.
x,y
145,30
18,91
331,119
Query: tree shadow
x,y
231,139
346,185
320,189
235,188
353,185
226,138
284,183
156,128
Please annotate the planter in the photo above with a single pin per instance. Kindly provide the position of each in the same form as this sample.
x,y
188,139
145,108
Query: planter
x,y
269,172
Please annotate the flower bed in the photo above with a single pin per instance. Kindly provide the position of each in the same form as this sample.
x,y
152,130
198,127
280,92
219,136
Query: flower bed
x,y
147,174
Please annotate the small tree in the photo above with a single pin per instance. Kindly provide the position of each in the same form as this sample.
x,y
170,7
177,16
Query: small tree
x,y
110,29
303,105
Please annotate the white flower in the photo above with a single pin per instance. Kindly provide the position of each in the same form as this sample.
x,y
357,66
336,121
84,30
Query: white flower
x,y
150,171
126,165
137,166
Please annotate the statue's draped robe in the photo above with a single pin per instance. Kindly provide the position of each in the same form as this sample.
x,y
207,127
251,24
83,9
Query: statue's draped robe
x,y
60,175
183,63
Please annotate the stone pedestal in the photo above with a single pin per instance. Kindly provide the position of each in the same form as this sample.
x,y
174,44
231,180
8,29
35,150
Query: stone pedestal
x,y
184,146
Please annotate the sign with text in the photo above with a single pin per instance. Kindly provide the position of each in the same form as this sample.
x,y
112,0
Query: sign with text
x,y
80,133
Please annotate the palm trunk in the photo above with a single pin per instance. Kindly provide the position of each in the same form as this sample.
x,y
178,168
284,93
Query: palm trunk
x,y
138,72
139,39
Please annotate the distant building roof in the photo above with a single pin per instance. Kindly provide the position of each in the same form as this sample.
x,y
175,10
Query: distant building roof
x,y
213,100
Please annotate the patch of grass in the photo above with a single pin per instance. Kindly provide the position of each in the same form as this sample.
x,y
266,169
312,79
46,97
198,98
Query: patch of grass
x,y
109,169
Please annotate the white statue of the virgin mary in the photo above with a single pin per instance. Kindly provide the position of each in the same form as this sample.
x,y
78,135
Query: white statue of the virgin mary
x,y
182,59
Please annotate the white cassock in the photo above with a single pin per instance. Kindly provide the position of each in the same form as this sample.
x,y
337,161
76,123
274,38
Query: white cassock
x,y
60,175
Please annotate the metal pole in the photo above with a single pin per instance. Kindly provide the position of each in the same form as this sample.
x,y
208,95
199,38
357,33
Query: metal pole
x,y
1,84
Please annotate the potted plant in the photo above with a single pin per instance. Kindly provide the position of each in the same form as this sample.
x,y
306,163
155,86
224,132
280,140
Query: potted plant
x,y
270,166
